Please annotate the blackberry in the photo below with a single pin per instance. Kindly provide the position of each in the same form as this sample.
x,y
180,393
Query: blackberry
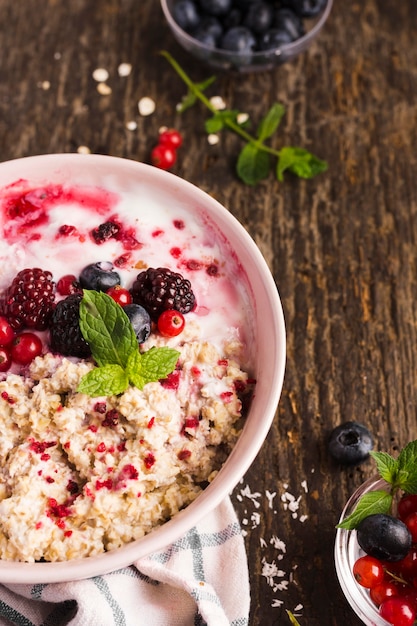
x,y
105,231
65,332
29,300
160,289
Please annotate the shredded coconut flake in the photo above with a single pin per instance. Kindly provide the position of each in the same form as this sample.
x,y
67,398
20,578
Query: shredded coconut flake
x,y
242,118
131,125
83,150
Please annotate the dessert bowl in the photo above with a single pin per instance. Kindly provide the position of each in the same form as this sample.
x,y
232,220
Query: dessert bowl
x,y
247,61
142,190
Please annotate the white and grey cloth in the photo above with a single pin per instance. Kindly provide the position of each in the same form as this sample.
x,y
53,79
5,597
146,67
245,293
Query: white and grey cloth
x,y
201,579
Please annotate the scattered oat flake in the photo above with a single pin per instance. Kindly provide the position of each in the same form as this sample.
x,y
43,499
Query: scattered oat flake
x,y
57,56
146,106
104,89
303,518
100,75
124,69
83,150
44,84
131,125
213,139
242,118
304,486
218,102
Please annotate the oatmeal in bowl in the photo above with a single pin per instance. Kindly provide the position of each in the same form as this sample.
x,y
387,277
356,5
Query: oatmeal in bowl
x,y
142,353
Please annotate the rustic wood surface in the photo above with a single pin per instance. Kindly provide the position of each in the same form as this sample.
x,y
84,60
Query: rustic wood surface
x,y
342,247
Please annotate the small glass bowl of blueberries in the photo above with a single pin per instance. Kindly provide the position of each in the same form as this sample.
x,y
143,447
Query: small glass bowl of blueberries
x,y
246,35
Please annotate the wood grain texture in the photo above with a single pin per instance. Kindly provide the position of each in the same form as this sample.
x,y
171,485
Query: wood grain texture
x,y
342,247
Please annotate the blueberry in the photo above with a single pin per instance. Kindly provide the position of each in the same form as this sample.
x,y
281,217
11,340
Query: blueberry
x,y
285,19
208,31
305,8
233,18
384,537
99,276
238,39
258,17
215,7
274,38
186,14
140,320
350,443
244,4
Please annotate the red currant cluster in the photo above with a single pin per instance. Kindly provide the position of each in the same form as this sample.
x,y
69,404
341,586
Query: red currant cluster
x,y
393,585
164,154
21,348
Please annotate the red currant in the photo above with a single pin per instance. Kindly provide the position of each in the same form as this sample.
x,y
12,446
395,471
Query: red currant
x,y
171,138
411,523
385,589
397,611
6,332
408,565
171,323
407,505
120,295
25,347
5,359
163,156
368,571
68,285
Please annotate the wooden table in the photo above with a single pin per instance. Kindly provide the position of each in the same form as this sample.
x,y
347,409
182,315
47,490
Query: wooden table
x,y
342,247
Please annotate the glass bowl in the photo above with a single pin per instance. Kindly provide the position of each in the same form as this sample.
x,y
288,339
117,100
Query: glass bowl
x,y
244,61
347,551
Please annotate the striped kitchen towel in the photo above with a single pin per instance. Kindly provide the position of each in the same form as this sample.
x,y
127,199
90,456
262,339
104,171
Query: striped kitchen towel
x,y
201,579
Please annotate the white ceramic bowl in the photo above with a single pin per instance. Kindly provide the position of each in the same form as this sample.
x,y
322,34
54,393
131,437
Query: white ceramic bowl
x,y
269,338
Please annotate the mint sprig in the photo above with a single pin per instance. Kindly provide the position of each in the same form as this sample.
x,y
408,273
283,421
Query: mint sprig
x,y
399,473
114,347
255,159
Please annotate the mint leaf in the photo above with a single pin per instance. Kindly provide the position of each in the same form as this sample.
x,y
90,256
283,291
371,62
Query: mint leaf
x,y
106,380
372,502
271,121
300,162
219,120
191,98
106,328
151,366
387,466
407,468
252,164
